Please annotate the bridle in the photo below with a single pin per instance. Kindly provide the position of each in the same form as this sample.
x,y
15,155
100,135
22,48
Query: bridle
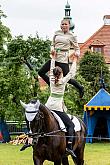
x,y
36,121
39,118
39,122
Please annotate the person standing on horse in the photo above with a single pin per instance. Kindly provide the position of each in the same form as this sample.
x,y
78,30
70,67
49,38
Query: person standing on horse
x,y
63,41
55,100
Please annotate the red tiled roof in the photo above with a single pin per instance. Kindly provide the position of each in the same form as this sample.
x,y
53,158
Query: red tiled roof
x,y
102,37
97,42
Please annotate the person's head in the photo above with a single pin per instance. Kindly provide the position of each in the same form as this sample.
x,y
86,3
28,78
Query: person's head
x,y
65,25
57,72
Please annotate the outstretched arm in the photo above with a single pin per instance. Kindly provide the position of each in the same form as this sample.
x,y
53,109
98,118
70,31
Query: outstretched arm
x,y
72,71
52,66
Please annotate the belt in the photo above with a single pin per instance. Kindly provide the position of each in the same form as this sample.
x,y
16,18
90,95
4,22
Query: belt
x,y
56,95
61,50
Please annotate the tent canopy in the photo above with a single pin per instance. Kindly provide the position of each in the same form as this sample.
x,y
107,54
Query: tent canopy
x,y
92,114
101,101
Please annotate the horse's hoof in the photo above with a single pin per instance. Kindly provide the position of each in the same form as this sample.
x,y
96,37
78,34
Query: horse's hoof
x,y
70,152
25,146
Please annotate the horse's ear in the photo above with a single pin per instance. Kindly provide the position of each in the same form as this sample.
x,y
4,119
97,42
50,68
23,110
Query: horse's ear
x,y
23,104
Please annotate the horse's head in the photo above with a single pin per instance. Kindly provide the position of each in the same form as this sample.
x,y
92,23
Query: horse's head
x,y
31,109
33,115
39,117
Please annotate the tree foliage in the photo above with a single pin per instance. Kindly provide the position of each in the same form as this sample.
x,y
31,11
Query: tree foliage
x,y
89,71
92,67
35,50
74,104
17,80
5,34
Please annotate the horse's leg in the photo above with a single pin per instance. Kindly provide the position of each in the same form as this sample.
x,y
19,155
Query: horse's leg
x,y
58,162
65,160
78,161
75,160
80,156
37,161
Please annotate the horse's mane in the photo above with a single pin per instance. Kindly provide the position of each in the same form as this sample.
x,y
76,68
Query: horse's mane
x,y
49,118
45,109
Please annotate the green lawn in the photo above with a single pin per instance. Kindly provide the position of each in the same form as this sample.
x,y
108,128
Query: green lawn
x,y
95,154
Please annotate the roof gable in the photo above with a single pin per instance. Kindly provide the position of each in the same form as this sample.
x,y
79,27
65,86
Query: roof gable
x,y
97,42
91,37
99,38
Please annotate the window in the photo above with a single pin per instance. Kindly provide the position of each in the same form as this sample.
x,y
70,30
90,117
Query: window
x,y
97,49
97,46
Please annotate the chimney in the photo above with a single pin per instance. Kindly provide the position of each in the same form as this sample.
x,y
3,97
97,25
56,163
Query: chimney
x,y
106,19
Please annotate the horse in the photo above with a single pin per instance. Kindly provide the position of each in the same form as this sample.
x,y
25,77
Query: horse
x,y
49,140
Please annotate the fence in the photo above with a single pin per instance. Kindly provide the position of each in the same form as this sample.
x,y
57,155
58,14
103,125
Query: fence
x,y
15,129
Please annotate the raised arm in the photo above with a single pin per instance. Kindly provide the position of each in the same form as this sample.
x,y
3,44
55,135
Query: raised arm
x,y
52,65
72,71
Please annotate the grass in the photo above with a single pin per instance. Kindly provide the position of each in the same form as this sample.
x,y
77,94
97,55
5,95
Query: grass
x,y
95,154
10,155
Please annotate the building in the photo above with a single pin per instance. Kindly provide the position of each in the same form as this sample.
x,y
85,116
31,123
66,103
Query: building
x,y
99,41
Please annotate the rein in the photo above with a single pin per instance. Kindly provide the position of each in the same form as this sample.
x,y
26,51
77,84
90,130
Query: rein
x,y
45,134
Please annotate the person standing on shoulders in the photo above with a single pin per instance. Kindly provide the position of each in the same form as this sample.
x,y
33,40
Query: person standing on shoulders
x,y
63,41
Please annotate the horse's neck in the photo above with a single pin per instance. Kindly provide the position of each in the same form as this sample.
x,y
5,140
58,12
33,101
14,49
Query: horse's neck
x,y
49,119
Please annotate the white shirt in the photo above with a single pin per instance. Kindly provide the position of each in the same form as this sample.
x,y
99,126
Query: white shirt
x,y
56,103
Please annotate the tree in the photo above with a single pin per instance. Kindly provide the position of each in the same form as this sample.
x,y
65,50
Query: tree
x,y
17,81
34,49
5,34
89,75
91,66
74,104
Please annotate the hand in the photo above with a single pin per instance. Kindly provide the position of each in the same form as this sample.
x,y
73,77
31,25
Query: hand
x,y
74,58
53,54
71,56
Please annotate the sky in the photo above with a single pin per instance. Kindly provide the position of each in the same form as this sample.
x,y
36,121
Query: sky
x,y
28,17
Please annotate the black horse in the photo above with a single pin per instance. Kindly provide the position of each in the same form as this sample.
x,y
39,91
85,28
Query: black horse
x,y
49,141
